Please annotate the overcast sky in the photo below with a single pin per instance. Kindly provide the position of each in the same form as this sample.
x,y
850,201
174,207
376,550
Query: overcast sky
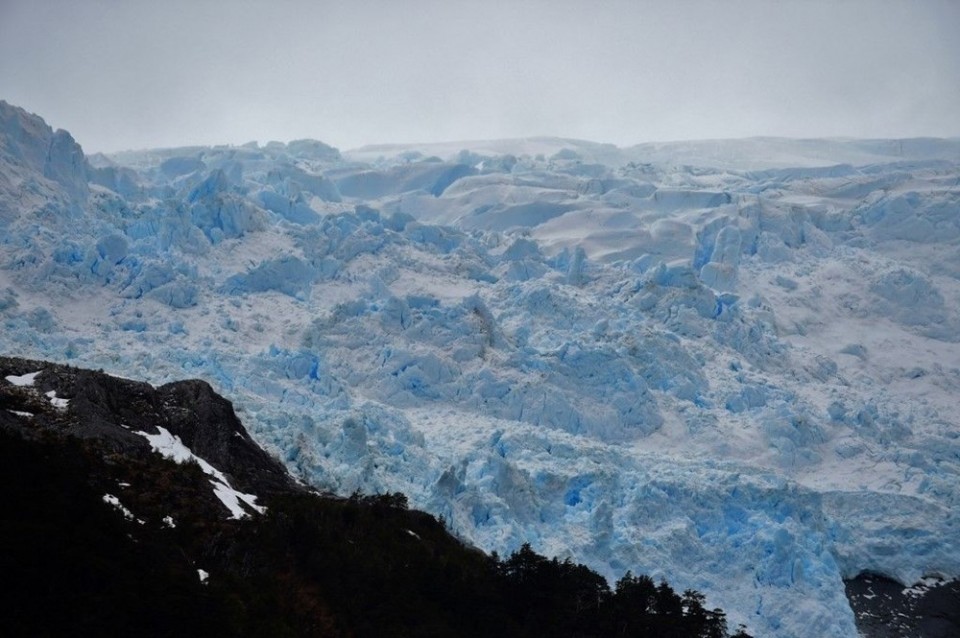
x,y
123,74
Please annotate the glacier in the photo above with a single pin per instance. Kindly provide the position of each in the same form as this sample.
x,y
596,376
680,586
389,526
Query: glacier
x,y
731,364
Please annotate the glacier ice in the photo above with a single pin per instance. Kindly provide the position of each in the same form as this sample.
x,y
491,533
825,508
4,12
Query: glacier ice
x,y
731,364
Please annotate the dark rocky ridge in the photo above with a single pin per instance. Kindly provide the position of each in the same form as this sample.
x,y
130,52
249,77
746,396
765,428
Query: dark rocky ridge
x,y
886,609
111,410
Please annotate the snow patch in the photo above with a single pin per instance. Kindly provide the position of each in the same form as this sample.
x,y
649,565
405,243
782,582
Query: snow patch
x,y
923,586
24,380
110,499
171,447
57,402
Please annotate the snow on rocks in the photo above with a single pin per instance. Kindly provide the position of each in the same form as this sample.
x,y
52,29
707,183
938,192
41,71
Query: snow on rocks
x,y
23,380
112,500
57,402
171,447
27,381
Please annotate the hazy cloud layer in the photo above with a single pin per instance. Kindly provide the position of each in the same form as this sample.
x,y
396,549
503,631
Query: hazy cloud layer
x,y
130,74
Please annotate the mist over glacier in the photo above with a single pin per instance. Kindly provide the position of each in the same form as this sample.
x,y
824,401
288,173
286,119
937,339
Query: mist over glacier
x,y
732,364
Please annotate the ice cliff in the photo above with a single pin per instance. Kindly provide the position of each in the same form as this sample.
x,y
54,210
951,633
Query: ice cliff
x,y
734,369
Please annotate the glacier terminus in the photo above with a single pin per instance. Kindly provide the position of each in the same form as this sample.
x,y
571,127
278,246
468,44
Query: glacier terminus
x,y
731,364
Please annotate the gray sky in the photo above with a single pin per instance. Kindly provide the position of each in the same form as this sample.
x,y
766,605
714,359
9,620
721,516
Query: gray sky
x,y
123,74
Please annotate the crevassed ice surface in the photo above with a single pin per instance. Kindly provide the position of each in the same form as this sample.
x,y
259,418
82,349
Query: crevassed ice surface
x,y
733,365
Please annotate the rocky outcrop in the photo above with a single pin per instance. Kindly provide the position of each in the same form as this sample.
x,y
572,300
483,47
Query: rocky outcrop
x,y
117,413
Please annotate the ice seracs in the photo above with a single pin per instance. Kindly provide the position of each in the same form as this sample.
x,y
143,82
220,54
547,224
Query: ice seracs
x,y
733,364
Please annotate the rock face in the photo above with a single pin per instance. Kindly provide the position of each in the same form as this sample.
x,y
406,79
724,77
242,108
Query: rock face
x,y
117,413
886,609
